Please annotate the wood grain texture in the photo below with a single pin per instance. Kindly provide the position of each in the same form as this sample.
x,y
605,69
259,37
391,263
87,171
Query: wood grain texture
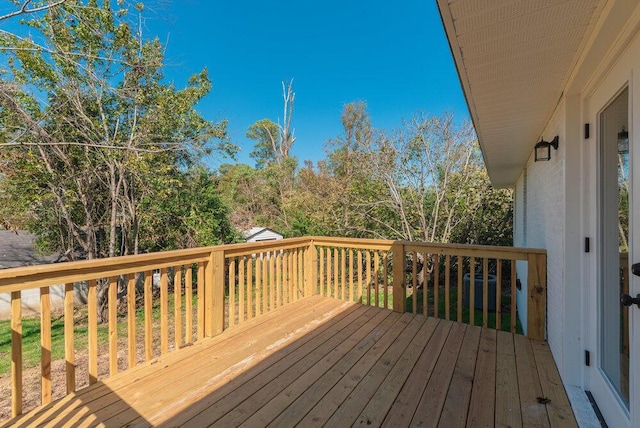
x,y
69,342
45,345
16,353
324,361
274,273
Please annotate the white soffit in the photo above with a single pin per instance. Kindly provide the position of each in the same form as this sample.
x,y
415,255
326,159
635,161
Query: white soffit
x,y
514,58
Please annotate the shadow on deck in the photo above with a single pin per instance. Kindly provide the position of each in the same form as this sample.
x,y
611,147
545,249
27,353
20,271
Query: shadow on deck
x,y
321,361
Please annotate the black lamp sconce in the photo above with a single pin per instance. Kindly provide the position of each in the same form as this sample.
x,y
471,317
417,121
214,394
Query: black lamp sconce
x,y
543,149
623,141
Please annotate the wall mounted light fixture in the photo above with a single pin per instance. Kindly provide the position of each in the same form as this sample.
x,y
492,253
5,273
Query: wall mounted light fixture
x,y
543,149
623,141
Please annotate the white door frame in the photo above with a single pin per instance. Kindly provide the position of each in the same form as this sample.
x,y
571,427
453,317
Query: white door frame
x,y
612,408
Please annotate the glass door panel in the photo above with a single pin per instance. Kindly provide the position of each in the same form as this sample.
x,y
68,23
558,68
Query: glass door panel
x,y
614,239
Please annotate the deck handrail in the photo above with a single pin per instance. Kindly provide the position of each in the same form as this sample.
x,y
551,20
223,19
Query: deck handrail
x,y
221,286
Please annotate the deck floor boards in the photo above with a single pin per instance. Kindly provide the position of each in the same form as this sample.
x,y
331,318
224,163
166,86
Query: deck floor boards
x,y
320,361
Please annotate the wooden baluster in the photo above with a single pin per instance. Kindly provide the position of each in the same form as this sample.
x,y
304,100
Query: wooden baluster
x,y
265,281
148,311
113,325
385,279
250,287
69,342
499,295
16,353
292,276
232,291
336,273
177,306
286,272
45,344
472,291
368,257
436,285
425,284
258,284
460,263
513,296
131,319
272,279
343,272
329,272
208,296
485,292
92,319
376,277
200,300
447,287
300,282
360,275
414,277
242,284
188,303
351,271
164,311
323,281
341,276
277,260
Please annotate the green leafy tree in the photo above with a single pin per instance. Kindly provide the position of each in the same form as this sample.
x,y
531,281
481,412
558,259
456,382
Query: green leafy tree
x,y
84,107
265,133
273,141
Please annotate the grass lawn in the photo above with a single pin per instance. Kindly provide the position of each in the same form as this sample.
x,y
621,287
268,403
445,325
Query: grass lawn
x,y
31,334
505,315
31,339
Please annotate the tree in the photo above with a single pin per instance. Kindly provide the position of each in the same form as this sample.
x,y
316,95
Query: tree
x,y
87,113
26,8
189,213
273,141
90,133
424,181
266,135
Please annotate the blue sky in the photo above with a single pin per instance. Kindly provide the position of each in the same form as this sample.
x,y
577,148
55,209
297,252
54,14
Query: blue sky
x,y
393,55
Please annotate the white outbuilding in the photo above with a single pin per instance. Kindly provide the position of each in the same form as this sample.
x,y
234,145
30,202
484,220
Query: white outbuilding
x,y
257,234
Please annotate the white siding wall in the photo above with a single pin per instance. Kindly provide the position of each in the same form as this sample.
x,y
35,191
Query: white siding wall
x,y
265,235
544,228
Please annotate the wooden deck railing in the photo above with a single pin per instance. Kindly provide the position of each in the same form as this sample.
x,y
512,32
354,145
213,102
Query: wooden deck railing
x,y
441,280
217,287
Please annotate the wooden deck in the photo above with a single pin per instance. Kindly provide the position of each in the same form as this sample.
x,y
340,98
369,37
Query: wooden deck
x,y
322,361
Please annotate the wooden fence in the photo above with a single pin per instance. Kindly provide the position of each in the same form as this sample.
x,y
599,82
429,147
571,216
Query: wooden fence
x,y
164,301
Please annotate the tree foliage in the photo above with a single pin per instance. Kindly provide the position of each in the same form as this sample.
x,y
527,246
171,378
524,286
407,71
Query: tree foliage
x,y
424,181
91,133
273,141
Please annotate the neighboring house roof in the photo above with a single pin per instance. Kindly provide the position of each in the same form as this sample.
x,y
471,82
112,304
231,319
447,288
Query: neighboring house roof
x,y
18,249
256,231
514,59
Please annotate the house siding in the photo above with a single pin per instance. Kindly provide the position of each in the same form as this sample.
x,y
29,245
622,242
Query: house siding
x,y
539,213
265,235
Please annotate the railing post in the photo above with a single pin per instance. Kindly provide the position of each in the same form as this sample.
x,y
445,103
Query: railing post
x,y
217,291
537,295
310,270
399,291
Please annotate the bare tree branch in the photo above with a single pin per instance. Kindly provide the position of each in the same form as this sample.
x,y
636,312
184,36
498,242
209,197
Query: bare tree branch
x,y
25,10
